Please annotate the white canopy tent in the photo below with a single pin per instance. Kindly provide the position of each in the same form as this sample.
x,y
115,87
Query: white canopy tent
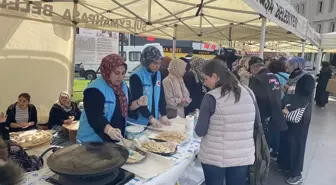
x,y
199,20
208,20
328,42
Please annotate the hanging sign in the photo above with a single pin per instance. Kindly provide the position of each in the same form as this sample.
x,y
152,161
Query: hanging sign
x,y
87,17
282,13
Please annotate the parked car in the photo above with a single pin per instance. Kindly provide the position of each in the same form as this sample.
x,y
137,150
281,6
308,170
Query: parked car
x,y
77,68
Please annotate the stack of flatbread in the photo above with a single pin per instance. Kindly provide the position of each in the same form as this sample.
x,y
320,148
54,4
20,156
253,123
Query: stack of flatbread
x,y
31,138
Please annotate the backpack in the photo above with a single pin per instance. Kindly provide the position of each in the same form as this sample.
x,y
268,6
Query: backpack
x,y
258,172
19,156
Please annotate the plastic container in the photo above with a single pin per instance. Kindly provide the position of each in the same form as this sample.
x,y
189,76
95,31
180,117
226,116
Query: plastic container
x,y
134,132
190,125
196,115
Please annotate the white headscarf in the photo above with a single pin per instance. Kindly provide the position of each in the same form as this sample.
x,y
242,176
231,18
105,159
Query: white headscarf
x,y
66,107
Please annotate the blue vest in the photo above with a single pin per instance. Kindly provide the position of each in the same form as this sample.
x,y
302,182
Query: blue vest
x,y
85,132
147,89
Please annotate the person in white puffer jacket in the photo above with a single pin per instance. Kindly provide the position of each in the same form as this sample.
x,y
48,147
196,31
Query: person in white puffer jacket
x,y
226,121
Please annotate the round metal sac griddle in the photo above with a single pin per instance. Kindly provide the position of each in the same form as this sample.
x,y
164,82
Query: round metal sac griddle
x,y
89,159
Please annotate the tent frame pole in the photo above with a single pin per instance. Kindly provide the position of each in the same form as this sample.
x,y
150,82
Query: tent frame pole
x,y
172,14
174,40
149,10
181,12
303,48
262,38
74,29
215,8
319,60
109,11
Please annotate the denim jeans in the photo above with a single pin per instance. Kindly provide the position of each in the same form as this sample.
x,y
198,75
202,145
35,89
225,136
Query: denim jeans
x,y
232,175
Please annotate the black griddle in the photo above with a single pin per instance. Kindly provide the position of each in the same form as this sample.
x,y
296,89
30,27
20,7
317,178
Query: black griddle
x,y
89,164
117,178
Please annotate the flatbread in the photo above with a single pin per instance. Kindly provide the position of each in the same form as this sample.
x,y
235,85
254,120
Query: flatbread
x,y
172,136
135,157
159,147
30,139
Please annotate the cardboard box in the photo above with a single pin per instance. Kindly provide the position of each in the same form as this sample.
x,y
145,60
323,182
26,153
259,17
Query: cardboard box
x,y
332,85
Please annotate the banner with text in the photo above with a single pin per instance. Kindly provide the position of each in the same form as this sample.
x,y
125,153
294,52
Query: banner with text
x,y
281,13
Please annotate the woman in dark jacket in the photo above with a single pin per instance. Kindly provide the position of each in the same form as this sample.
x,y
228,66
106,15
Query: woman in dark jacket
x,y
22,115
64,111
188,66
298,94
321,95
164,67
194,83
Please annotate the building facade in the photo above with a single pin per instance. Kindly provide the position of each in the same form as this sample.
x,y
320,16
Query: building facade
x,y
320,13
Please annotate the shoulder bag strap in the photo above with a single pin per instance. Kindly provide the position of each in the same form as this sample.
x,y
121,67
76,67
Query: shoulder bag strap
x,y
257,122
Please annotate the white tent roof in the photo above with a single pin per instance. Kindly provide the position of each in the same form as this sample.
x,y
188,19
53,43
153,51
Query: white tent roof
x,y
212,20
328,42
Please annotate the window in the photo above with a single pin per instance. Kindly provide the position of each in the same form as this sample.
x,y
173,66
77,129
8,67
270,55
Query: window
x,y
319,28
134,56
332,27
297,8
331,5
319,7
302,9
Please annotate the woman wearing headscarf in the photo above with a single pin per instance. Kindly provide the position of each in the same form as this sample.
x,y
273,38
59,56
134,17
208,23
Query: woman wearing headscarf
x,y
298,94
64,111
146,81
321,95
176,93
106,103
187,61
194,83
164,67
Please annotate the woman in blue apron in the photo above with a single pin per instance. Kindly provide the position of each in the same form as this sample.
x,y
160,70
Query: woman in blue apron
x,y
146,81
106,103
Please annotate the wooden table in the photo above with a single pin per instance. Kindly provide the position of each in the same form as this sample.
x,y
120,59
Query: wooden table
x,y
71,129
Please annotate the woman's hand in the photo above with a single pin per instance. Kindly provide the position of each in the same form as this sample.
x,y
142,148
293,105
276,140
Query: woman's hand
x,y
2,118
155,123
164,120
284,88
142,101
114,133
68,121
186,101
24,125
285,111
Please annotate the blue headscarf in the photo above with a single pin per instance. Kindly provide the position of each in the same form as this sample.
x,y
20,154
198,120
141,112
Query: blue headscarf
x,y
297,63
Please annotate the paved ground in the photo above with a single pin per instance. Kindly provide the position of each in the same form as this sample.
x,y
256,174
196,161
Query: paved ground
x,y
320,159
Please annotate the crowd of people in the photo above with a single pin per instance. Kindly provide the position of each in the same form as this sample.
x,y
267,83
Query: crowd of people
x,y
228,100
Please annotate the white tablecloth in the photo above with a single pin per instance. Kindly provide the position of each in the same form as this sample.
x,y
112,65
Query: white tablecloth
x,y
183,159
